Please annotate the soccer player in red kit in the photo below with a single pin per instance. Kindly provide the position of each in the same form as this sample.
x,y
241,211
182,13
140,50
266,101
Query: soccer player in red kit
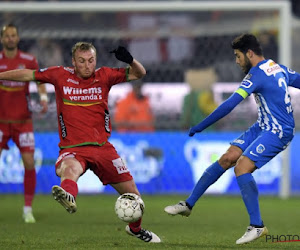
x,y
84,124
15,115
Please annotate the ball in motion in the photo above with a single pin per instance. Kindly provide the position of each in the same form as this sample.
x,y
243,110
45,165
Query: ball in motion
x,y
129,207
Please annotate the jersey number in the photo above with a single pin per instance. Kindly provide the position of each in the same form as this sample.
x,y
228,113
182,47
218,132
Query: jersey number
x,y
287,98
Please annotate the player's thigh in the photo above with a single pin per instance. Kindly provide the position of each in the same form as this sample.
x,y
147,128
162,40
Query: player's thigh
x,y
109,167
264,148
244,165
69,166
22,135
5,135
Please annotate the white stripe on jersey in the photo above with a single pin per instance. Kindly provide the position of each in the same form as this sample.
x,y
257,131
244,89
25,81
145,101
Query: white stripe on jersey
x,y
276,127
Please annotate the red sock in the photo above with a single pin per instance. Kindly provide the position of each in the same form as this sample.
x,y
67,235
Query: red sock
x,y
70,186
29,186
136,226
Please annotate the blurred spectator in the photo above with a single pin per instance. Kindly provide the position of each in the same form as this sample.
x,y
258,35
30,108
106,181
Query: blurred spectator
x,y
133,113
179,45
48,53
199,103
146,46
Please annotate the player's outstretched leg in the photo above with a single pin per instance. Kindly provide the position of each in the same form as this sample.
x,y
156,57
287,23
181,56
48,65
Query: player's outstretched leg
x,y
64,198
180,208
143,235
252,233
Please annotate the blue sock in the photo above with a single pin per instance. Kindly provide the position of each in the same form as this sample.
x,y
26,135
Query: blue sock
x,y
210,175
249,193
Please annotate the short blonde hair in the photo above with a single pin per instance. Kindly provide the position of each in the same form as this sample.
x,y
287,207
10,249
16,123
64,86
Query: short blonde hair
x,y
84,46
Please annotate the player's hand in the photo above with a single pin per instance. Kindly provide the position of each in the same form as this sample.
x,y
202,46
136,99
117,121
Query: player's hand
x,y
122,54
194,130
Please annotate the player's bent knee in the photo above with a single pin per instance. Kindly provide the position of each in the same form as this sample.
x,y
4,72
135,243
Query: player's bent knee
x,y
227,161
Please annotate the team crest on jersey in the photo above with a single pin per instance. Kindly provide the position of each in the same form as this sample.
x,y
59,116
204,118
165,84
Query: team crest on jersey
x,y
260,148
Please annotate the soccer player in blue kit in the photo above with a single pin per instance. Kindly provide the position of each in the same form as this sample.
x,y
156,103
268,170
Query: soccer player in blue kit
x,y
268,136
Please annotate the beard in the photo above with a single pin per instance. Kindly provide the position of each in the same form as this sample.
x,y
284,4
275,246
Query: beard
x,y
247,65
10,47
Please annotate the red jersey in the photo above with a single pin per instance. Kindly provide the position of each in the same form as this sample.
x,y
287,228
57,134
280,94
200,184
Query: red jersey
x,y
82,109
14,96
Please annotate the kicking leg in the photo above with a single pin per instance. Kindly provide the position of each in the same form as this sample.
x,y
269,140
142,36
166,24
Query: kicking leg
x,y
134,228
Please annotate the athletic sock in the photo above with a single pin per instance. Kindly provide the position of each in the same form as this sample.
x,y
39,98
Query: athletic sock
x,y
210,176
70,187
249,193
135,226
29,186
27,209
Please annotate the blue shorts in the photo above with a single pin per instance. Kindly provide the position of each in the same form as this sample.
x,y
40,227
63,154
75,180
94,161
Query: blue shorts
x,y
261,146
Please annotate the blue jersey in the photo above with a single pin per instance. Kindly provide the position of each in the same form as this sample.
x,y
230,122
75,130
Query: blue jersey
x,y
269,81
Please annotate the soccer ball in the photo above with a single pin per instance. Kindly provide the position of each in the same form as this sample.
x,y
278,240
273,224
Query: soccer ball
x,y
129,207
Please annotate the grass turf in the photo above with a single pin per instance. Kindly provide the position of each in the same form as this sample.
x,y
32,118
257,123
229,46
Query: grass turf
x,y
216,223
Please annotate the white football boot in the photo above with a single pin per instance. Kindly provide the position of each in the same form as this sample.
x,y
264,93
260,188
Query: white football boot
x,y
252,233
28,217
144,235
64,198
179,208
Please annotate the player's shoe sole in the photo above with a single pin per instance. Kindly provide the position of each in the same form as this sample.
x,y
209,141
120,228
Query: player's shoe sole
x,y
64,198
251,234
144,235
180,208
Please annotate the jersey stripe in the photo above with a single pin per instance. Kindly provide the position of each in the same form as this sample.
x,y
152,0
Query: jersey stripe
x,y
68,102
5,88
276,127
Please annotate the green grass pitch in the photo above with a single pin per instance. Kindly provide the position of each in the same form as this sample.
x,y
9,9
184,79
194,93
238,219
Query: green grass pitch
x,y
216,223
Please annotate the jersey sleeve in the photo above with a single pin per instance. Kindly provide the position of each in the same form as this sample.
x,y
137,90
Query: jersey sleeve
x,y
293,76
49,75
116,75
249,84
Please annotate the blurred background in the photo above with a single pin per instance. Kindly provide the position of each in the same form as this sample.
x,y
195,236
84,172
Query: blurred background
x,y
190,71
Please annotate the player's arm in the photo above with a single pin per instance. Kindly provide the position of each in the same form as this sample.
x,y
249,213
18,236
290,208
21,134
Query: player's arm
x,y
136,70
19,75
224,109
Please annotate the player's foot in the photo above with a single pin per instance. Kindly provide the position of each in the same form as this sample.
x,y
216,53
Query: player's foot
x,y
252,233
28,217
64,198
179,208
144,235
